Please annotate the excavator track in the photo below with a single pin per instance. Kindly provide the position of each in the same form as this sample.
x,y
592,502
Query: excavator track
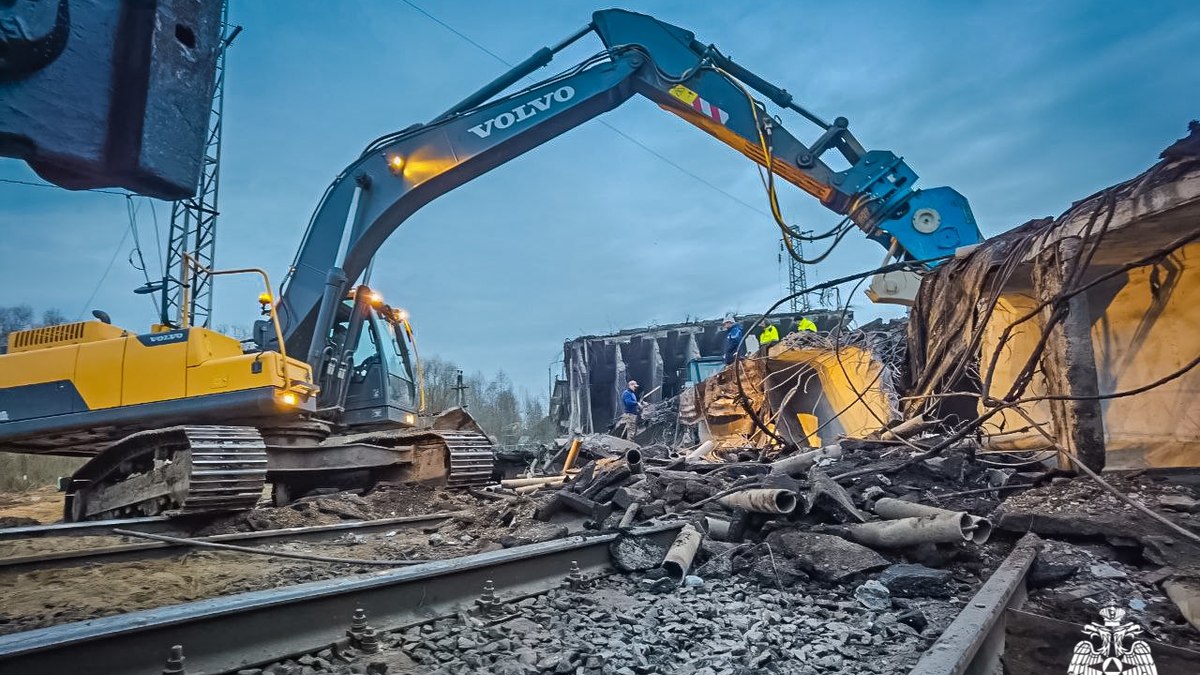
x,y
176,471
471,458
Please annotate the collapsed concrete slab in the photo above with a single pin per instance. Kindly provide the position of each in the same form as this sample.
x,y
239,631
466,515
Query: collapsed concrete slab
x,y
665,360
806,391
1081,328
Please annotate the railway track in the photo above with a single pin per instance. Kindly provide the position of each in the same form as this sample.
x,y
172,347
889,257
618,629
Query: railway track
x,y
991,634
143,550
229,633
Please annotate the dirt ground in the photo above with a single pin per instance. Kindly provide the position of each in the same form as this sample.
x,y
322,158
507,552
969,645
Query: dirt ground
x,y
43,505
50,597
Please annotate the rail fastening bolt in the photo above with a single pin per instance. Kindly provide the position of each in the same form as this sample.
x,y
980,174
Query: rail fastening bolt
x,y
488,603
175,661
575,579
369,643
358,624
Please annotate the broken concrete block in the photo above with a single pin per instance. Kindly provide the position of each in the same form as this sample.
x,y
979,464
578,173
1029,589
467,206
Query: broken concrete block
x,y
718,557
825,556
534,535
627,495
1180,503
915,618
916,581
1106,571
576,503
636,554
873,595
826,495
1045,573
654,509
1185,593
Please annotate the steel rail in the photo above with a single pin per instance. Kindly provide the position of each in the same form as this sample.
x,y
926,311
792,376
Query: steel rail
x,y
91,528
148,550
973,643
240,631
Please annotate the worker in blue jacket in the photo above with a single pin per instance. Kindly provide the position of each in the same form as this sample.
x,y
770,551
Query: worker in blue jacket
x,y
630,408
733,339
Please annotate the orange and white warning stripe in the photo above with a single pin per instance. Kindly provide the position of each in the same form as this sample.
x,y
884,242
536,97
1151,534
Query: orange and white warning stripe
x,y
698,104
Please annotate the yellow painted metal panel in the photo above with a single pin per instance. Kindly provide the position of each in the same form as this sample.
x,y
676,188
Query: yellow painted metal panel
x,y
99,372
154,373
231,374
205,344
33,367
62,335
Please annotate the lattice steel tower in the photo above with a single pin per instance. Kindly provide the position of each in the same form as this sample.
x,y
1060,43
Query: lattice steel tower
x,y
194,220
797,280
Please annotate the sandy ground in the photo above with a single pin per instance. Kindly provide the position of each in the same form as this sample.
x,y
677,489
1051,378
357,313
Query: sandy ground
x,y
54,596
44,504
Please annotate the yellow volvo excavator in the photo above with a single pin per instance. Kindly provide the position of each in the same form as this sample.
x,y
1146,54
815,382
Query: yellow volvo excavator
x,y
181,419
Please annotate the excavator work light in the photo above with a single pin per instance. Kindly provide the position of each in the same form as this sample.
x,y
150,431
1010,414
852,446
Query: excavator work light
x,y
288,398
396,163
375,298
400,315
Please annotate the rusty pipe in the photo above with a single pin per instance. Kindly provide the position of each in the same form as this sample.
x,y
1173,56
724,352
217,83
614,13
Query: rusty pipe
x,y
944,529
572,454
679,557
981,528
633,459
761,500
798,465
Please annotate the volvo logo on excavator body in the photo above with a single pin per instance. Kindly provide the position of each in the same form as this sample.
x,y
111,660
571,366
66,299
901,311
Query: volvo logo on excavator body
x,y
524,111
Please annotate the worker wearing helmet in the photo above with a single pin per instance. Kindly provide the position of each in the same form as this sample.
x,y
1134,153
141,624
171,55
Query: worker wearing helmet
x,y
630,407
805,324
768,335
733,338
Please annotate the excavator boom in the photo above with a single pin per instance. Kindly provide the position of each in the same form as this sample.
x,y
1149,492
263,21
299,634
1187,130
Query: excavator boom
x,y
401,172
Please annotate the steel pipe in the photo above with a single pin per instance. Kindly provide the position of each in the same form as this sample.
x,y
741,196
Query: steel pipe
x,y
679,557
981,528
630,513
701,451
718,528
538,481
633,459
798,465
762,500
944,529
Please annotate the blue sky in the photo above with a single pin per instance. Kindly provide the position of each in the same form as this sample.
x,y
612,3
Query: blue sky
x,y
1022,107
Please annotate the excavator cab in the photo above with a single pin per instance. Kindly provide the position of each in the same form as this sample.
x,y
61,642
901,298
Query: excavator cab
x,y
367,371
382,388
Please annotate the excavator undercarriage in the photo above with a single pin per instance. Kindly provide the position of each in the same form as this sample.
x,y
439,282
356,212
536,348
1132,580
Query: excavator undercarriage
x,y
195,469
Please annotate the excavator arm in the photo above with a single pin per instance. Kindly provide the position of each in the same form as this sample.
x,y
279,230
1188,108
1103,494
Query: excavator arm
x,y
401,172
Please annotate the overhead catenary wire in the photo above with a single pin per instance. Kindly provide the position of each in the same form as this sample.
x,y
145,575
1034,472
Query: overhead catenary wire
x,y
132,209
29,183
604,123
107,269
